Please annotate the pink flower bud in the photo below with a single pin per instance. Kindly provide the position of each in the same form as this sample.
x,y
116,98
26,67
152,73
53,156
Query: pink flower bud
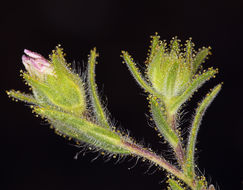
x,y
36,65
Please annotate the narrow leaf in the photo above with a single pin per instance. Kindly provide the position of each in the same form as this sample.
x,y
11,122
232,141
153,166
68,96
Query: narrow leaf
x,y
137,75
199,58
97,106
83,130
67,130
195,127
174,185
162,124
193,86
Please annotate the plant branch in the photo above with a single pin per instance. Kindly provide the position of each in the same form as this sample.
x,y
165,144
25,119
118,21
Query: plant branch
x,y
180,153
151,156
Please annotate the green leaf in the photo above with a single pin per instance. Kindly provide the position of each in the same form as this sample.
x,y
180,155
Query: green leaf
x,y
136,74
195,127
95,100
192,87
67,130
162,124
174,185
199,58
84,130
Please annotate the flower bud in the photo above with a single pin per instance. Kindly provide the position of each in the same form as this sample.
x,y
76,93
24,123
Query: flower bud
x,y
53,83
172,73
36,65
169,71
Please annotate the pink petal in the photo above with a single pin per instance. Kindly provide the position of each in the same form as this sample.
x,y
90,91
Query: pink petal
x,y
26,60
43,61
35,64
32,54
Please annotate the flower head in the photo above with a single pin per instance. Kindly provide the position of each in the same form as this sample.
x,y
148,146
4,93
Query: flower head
x,y
172,72
53,83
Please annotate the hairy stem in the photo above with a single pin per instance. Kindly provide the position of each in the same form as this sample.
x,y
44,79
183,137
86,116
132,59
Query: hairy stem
x,y
151,156
180,153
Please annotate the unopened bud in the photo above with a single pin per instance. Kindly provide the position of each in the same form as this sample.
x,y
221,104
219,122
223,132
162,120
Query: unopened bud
x,y
169,71
53,83
36,65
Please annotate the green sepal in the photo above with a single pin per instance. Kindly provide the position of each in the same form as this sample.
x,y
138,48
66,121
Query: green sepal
x,y
60,65
189,53
174,185
171,79
169,73
58,91
175,47
84,130
193,86
199,58
155,45
155,71
71,91
95,100
190,165
22,96
62,69
160,120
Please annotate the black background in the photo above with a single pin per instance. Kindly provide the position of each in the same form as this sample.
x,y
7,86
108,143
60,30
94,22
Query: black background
x,y
34,158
